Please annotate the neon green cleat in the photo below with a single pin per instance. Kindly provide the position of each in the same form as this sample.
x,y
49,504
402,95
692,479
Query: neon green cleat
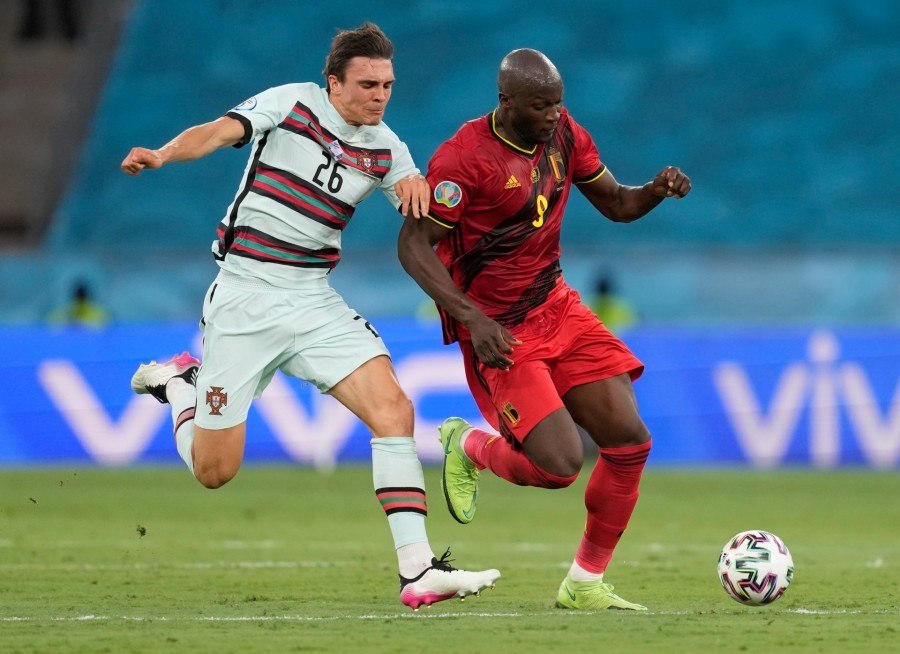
x,y
459,479
591,596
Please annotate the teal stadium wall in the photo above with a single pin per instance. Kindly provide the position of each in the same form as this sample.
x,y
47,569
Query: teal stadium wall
x,y
784,114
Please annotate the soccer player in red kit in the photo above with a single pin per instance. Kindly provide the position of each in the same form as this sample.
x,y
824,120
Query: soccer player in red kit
x,y
538,362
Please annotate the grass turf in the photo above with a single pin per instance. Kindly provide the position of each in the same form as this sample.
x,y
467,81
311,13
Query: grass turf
x,y
289,560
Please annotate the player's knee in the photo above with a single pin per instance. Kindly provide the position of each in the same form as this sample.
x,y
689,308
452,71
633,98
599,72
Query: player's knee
x,y
565,471
564,479
562,467
395,417
561,461
635,433
213,478
214,474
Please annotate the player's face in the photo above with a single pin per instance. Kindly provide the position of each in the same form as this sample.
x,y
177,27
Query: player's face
x,y
361,98
534,114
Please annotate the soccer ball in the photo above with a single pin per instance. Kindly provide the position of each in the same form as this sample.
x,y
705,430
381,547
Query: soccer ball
x,y
755,567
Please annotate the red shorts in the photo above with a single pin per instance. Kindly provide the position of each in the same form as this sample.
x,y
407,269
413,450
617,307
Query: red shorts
x,y
563,345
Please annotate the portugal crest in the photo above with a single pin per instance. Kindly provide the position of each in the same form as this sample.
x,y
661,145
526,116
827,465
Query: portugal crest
x,y
216,399
367,160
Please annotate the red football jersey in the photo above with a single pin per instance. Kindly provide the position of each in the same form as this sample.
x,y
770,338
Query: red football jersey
x,y
505,205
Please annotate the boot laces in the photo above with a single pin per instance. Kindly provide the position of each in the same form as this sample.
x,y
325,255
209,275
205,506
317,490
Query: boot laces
x,y
443,563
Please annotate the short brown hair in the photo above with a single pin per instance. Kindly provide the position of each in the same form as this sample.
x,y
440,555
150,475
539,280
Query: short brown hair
x,y
365,41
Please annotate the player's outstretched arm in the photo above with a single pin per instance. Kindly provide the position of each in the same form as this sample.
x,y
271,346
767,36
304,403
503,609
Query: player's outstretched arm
x,y
625,204
192,143
415,247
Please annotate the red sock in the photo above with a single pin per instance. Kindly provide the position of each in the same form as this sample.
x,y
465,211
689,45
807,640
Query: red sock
x,y
497,455
610,496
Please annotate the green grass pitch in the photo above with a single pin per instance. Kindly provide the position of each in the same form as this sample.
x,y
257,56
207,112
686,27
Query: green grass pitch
x,y
284,559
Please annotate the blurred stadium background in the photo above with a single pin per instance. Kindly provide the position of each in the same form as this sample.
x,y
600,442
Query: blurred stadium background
x,y
768,302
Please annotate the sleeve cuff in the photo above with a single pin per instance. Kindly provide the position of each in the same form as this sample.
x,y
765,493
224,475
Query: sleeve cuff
x,y
248,128
442,223
597,174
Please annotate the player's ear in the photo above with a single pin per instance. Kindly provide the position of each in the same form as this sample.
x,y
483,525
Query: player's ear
x,y
333,83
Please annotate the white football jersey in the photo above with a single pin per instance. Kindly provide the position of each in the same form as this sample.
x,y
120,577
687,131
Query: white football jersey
x,y
308,170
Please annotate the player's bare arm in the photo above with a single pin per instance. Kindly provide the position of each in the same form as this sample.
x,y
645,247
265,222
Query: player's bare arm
x,y
193,143
414,194
625,204
490,340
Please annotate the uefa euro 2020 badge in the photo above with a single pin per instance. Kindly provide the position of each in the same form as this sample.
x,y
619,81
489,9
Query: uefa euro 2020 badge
x,y
337,152
246,105
447,193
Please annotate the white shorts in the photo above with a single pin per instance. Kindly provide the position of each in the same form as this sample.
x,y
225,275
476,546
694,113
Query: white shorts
x,y
251,329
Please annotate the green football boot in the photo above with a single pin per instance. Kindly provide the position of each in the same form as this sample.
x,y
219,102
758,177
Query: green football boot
x,y
591,596
459,479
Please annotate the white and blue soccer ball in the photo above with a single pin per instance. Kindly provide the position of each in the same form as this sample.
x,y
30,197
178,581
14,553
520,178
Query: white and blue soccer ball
x,y
755,567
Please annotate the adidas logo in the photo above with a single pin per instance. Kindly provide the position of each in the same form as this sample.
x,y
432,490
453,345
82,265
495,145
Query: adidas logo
x,y
512,182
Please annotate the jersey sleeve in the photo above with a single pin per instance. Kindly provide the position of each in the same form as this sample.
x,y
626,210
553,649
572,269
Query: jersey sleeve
x,y
585,157
264,111
402,165
453,185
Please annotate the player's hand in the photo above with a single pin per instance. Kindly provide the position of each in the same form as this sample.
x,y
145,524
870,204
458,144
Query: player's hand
x,y
492,343
414,194
140,158
671,183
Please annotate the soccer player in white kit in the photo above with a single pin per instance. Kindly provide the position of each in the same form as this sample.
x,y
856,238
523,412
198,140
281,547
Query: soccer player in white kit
x,y
316,154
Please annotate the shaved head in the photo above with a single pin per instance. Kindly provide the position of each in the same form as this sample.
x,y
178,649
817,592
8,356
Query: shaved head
x,y
530,95
527,71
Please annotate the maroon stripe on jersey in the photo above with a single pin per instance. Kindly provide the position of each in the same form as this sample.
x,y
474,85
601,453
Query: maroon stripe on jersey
x,y
356,162
283,199
325,257
241,251
303,129
379,160
256,236
301,185
532,297
307,113
263,187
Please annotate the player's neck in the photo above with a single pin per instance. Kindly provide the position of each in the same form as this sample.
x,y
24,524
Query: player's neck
x,y
342,112
510,134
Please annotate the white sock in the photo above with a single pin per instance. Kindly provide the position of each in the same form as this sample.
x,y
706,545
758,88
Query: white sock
x,y
577,573
400,489
182,397
414,558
